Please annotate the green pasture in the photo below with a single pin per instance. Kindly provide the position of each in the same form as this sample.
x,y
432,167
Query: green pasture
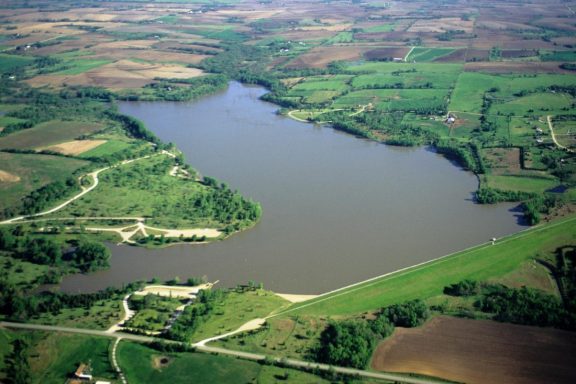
x,y
469,91
537,103
315,84
384,67
141,364
49,133
58,355
558,56
478,263
34,172
520,183
10,62
5,120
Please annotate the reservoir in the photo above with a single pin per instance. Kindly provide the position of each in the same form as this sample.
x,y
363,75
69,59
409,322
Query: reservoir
x,y
336,209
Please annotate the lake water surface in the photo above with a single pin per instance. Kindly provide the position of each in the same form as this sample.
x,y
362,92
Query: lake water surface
x,y
336,209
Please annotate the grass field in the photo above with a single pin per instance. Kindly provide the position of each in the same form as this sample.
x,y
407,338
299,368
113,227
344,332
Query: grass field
x,y
519,183
144,365
58,355
48,133
237,309
108,148
478,263
10,62
33,172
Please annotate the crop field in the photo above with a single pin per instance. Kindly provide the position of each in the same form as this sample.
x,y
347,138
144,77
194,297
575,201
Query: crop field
x,y
461,349
49,133
30,172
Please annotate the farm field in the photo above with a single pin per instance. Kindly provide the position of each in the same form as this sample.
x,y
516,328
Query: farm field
x,y
460,350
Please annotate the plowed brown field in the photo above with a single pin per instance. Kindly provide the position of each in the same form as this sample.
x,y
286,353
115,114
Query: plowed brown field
x,y
480,351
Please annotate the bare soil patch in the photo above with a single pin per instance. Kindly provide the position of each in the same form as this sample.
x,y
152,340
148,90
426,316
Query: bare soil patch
x,y
6,177
74,147
480,351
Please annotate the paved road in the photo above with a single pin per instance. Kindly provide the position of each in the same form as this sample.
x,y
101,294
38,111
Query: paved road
x,y
299,364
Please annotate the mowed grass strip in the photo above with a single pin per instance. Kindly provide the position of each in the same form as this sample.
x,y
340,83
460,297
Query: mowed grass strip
x,y
48,133
479,263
